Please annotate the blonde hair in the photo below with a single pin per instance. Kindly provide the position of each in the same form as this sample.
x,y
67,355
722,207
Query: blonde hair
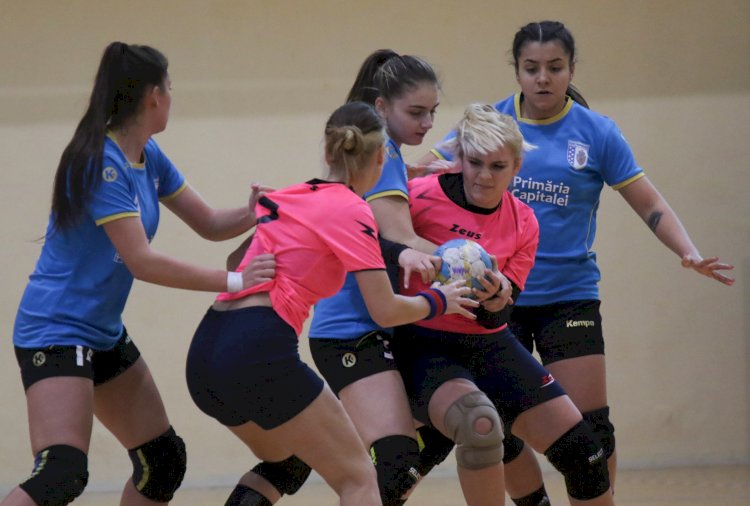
x,y
352,136
483,129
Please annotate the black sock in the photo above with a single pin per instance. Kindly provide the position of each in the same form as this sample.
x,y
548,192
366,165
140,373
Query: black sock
x,y
536,498
246,496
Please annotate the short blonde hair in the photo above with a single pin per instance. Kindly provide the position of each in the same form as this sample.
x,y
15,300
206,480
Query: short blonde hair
x,y
483,129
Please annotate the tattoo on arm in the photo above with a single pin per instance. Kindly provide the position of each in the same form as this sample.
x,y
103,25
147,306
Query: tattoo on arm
x,y
654,219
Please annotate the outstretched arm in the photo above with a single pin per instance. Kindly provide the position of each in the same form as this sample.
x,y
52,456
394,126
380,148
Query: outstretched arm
x,y
654,210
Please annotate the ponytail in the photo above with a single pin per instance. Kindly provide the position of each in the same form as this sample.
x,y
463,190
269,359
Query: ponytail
x,y
125,73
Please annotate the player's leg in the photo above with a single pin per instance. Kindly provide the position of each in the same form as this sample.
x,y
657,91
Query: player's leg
x,y
380,411
523,475
459,410
574,354
60,412
584,379
129,406
556,428
323,436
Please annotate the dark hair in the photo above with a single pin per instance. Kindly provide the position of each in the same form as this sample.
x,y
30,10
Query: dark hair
x,y
353,133
549,31
387,74
125,73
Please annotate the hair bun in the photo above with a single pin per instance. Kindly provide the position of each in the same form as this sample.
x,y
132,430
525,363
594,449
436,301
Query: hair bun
x,y
350,139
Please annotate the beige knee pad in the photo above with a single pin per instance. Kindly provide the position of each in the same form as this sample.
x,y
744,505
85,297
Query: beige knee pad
x,y
474,450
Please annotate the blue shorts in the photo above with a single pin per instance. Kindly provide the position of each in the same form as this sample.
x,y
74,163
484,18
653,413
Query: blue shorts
x,y
560,331
496,363
244,365
76,360
344,361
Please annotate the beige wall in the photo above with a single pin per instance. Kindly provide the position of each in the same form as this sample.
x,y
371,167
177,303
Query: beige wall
x,y
253,83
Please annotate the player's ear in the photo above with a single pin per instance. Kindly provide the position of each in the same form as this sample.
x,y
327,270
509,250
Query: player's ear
x,y
380,106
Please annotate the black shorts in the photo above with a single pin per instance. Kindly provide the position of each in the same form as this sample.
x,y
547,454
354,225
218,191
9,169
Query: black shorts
x,y
496,363
244,365
562,330
344,361
76,360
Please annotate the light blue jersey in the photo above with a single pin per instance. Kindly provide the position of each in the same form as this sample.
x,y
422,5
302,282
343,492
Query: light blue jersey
x,y
577,152
345,315
77,292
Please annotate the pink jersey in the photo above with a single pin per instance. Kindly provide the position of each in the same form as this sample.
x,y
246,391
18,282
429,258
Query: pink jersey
x,y
318,231
511,233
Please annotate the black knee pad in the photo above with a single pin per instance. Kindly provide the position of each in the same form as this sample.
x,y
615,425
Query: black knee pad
x,y
246,496
434,448
286,476
60,475
396,459
513,447
603,429
581,461
159,466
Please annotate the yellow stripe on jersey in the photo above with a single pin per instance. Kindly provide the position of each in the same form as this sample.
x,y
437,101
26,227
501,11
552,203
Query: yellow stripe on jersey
x,y
437,153
389,193
175,193
117,216
620,186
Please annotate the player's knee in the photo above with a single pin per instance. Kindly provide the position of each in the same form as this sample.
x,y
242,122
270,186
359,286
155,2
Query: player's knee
x,y
476,449
396,460
159,466
286,476
434,448
246,496
512,448
603,429
60,475
580,459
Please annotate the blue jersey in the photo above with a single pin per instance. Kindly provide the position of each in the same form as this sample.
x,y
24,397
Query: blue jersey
x,y
345,315
576,153
79,287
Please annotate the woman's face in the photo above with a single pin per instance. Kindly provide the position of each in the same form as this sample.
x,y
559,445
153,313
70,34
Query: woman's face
x,y
409,117
486,177
544,73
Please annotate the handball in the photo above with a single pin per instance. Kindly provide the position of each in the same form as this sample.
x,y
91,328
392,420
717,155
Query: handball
x,y
463,260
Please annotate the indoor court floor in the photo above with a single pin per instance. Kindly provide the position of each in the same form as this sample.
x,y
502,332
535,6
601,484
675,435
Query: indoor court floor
x,y
710,486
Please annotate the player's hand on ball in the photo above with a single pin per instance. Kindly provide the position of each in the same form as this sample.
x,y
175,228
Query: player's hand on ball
x,y
456,298
413,261
261,268
710,267
491,283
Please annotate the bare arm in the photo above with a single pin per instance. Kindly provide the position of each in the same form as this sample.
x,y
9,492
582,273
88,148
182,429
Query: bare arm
x,y
394,223
654,210
388,309
129,238
215,224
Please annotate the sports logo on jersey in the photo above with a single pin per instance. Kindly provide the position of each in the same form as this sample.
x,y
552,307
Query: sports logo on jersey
x,y
109,174
349,359
578,154
367,230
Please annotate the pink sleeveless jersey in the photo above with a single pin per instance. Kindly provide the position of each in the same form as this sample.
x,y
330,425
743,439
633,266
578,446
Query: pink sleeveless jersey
x,y
511,233
318,231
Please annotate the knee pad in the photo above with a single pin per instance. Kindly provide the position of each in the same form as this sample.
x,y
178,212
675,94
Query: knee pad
x,y
396,460
159,466
60,475
474,450
434,448
581,461
512,448
286,476
603,429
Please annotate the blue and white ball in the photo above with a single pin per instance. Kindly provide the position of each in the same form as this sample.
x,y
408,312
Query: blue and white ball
x,y
465,260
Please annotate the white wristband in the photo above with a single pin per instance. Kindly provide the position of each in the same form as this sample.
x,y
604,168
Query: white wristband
x,y
234,282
